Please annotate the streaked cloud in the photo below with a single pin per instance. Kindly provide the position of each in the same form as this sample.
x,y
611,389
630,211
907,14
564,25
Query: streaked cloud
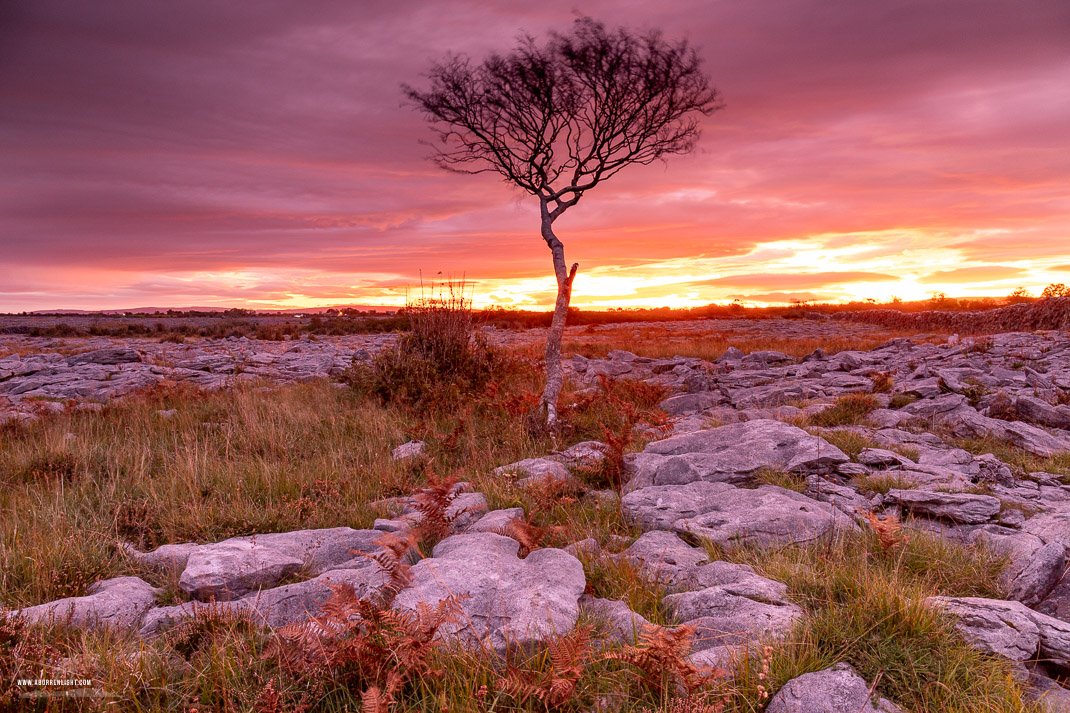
x,y
968,275
260,154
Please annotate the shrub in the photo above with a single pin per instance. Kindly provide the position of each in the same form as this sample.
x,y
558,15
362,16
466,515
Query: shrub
x,y
440,359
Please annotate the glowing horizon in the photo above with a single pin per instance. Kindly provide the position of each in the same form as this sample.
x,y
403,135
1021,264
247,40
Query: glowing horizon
x,y
259,157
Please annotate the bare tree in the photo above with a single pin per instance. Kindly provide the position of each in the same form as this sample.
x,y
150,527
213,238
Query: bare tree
x,y
558,118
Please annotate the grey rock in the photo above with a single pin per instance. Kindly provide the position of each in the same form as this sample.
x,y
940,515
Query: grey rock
x,y
164,557
733,453
587,548
1050,526
622,625
1003,628
835,690
496,520
883,458
533,469
1033,568
729,615
412,449
690,403
510,602
229,569
957,507
766,516
1057,602
659,506
1035,411
664,557
118,602
105,356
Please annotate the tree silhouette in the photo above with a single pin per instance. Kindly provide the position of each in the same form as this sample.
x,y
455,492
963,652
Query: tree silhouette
x,y
558,118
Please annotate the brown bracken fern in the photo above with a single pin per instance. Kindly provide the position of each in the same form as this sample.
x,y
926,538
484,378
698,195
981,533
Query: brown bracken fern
x,y
528,535
361,642
888,529
660,655
569,655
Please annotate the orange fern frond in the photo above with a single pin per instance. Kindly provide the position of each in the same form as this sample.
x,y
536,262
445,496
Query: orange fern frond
x,y
528,535
889,529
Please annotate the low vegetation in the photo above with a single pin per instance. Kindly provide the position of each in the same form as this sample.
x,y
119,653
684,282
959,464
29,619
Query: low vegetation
x,y
864,597
76,485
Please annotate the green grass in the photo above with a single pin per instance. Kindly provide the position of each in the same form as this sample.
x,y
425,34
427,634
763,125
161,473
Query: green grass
x,y
781,478
866,606
1020,460
881,483
852,443
847,410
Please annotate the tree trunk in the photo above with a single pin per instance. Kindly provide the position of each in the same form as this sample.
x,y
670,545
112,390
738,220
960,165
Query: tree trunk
x,y
554,372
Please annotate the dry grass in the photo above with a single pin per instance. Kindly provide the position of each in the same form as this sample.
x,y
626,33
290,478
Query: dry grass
x,y
312,455
865,605
660,341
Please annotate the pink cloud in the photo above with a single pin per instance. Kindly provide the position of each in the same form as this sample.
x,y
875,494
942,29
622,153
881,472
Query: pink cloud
x,y
149,146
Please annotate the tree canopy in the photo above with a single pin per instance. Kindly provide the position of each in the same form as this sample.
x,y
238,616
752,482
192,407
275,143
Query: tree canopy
x,y
557,119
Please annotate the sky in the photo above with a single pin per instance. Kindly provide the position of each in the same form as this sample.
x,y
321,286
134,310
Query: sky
x,y
261,154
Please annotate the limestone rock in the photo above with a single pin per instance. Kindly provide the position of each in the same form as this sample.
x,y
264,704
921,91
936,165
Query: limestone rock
x,y
412,449
622,625
659,506
726,615
732,453
957,507
835,690
765,516
664,557
510,602
995,626
118,602
1033,568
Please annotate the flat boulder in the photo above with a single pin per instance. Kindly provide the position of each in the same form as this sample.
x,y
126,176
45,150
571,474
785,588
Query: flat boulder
x,y
118,602
838,689
659,506
508,602
1033,568
749,609
232,568
664,557
732,453
531,470
619,622
994,626
273,607
965,508
229,569
765,516
105,356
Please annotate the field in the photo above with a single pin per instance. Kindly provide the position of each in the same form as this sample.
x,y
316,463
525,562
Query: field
x,y
174,464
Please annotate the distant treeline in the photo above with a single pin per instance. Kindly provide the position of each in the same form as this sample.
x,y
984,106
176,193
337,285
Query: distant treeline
x,y
274,326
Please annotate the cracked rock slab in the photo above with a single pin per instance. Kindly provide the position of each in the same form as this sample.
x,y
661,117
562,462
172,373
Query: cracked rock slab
x,y
664,557
230,569
732,453
995,626
728,616
838,689
509,602
765,516
118,602
966,508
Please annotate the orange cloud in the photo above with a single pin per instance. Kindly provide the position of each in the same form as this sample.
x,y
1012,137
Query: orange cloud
x,y
800,281
968,275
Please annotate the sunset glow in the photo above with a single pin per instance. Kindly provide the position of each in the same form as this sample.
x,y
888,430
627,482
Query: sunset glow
x,y
259,155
